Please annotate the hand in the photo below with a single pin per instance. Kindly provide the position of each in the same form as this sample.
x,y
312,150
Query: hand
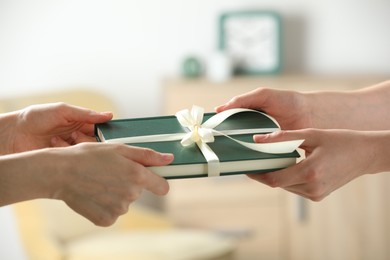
x,y
333,158
36,126
362,109
100,180
287,107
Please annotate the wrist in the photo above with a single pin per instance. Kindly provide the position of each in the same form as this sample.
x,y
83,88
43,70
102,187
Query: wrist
x,y
333,110
31,175
8,123
378,147
57,175
23,177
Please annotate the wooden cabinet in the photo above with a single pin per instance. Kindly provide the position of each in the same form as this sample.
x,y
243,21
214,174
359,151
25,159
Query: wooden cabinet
x,y
234,206
352,223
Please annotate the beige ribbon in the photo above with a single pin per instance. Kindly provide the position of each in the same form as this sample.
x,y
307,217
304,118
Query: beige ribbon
x,y
203,133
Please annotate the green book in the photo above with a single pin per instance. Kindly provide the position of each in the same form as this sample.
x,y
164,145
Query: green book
x,y
189,162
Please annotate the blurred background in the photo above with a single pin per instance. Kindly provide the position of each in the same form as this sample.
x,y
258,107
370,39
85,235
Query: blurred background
x,y
125,48
137,55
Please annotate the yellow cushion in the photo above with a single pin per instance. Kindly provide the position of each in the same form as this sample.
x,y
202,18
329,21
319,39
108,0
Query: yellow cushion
x,y
169,244
64,224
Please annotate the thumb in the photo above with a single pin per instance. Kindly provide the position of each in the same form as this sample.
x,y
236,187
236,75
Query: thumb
x,y
254,99
80,114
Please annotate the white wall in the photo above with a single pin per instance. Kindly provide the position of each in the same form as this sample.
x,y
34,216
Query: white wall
x,y
10,245
125,47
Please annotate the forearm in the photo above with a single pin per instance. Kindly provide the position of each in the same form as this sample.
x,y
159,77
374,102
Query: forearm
x,y
375,106
363,109
28,175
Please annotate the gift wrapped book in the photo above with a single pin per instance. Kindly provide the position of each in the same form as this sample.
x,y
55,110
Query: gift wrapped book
x,y
205,144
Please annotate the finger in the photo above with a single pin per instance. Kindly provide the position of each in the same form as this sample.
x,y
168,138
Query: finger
x,y
299,189
300,192
290,176
279,136
289,135
143,178
91,210
312,191
80,137
80,114
87,129
57,141
156,184
252,99
146,157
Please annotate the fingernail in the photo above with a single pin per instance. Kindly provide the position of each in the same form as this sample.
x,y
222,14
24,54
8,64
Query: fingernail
x,y
107,113
167,156
260,137
163,189
220,108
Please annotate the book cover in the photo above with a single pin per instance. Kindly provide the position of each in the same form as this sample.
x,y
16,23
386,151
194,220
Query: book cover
x,y
189,161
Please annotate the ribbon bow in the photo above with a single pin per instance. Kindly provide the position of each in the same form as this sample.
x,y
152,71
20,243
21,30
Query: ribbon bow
x,y
193,121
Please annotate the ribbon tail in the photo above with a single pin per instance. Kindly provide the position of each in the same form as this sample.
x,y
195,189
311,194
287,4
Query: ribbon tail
x,y
211,158
217,119
147,138
274,148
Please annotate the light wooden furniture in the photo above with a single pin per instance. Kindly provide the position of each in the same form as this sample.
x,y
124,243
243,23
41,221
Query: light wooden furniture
x,y
352,223
50,230
182,93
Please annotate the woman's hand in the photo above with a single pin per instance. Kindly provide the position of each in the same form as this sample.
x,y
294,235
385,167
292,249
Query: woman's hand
x,y
289,108
103,179
362,109
36,126
97,180
333,158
